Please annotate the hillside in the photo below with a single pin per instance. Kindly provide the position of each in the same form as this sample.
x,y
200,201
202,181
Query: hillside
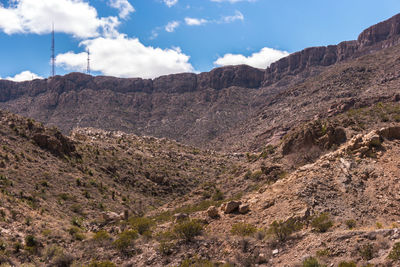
x,y
206,109
296,165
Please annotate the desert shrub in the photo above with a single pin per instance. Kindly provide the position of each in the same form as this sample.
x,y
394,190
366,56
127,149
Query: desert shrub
x,y
75,221
101,236
3,245
218,195
30,241
395,252
256,175
102,264
312,262
188,229
323,253
243,229
63,260
283,229
76,208
75,232
367,252
322,222
379,225
141,224
347,264
125,240
165,247
350,224
17,247
196,262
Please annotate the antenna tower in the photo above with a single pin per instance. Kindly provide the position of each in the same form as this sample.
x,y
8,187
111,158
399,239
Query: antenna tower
x,y
53,58
88,62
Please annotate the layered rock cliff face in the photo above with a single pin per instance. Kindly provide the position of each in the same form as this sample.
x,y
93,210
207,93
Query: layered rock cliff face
x,y
193,108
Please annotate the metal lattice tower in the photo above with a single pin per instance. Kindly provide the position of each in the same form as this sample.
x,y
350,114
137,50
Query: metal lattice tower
x,y
88,62
53,58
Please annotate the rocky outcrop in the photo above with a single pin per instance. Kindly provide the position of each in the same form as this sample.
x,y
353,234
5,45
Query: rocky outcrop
x,y
376,37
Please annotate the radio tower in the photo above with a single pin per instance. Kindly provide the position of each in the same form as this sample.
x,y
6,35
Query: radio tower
x,y
53,58
88,62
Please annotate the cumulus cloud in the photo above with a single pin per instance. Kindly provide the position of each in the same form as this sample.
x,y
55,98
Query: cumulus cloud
x,y
126,57
195,22
75,17
261,59
171,26
24,76
124,7
170,3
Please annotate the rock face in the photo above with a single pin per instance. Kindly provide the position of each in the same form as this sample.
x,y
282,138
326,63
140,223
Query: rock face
x,y
381,35
203,109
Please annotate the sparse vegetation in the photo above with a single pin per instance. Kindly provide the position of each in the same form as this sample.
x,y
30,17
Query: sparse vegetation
x,y
243,229
395,252
125,240
350,224
312,262
188,229
367,252
347,264
281,230
322,222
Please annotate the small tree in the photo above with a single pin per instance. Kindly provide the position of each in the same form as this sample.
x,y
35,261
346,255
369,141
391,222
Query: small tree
x,y
188,229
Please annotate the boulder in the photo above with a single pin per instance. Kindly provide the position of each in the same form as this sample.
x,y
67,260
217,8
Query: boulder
x,y
232,206
212,212
244,208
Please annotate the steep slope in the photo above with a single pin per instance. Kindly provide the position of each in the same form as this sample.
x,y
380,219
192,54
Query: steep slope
x,y
58,190
204,109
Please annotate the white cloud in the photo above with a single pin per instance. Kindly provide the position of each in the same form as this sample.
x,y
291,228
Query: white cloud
x,y
126,57
75,17
124,7
232,1
195,22
170,3
229,19
24,76
171,26
261,59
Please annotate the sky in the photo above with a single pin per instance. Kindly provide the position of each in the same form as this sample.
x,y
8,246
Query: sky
x,y
150,38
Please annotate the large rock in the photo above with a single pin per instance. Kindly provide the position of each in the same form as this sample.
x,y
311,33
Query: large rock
x,y
232,206
212,212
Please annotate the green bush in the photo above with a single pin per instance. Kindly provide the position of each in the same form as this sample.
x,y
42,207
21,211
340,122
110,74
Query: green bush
x,y
101,236
312,262
347,264
102,264
188,229
351,224
218,195
243,229
322,222
283,229
141,224
165,247
367,252
125,240
395,253
30,241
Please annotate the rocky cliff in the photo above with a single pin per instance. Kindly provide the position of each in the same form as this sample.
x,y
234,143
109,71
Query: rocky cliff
x,y
206,108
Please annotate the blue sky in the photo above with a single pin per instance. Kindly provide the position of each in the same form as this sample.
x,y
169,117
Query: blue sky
x,y
149,38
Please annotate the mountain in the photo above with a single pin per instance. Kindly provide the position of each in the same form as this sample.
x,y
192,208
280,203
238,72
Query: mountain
x,y
315,181
207,109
